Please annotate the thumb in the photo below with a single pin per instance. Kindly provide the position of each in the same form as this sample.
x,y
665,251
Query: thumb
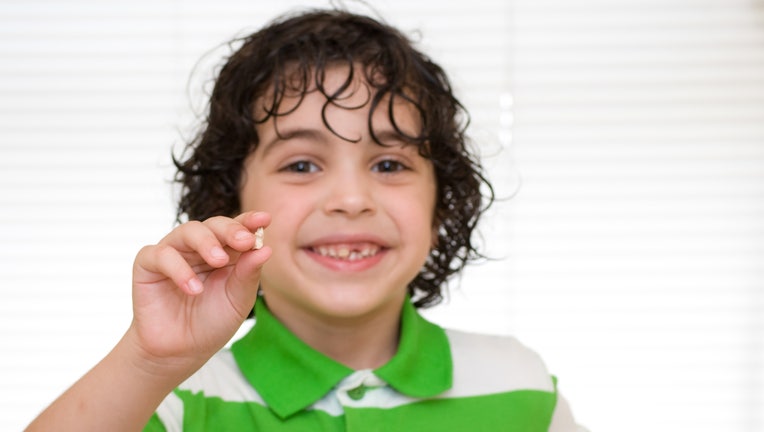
x,y
243,285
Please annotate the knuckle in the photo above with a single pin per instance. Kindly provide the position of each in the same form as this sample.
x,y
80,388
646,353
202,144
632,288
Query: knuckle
x,y
192,225
223,225
164,251
216,220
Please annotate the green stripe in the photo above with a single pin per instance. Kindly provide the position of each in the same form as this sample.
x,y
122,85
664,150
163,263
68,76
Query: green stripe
x,y
154,425
524,410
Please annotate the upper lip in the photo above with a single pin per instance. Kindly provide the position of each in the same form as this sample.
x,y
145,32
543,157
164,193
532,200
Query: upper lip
x,y
347,239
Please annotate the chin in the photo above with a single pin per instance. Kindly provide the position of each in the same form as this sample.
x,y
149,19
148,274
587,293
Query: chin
x,y
359,304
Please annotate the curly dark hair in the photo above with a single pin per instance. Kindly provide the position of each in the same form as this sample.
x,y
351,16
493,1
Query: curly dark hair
x,y
292,54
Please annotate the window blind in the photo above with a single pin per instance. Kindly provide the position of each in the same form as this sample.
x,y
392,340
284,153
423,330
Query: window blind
x,y
637,236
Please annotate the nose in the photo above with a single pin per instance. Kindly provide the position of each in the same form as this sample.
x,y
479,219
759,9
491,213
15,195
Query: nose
x,y
350,194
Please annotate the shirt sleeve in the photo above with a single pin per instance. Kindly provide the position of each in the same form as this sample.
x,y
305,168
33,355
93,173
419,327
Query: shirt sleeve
x,y
562,419
168,416
154,425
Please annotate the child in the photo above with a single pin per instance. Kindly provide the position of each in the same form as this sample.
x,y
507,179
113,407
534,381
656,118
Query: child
x,y
331,131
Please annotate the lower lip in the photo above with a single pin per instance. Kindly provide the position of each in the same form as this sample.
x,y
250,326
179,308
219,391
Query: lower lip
x,y
347,265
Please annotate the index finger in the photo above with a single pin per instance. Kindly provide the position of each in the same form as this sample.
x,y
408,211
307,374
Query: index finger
x,y
253,220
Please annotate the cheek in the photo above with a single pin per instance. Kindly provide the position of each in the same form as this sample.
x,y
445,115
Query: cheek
x,y
288,208
251,200
414,216
256,195
248,191
261,199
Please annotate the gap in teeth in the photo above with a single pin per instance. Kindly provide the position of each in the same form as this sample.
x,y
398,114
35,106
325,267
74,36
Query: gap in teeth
x,y
344,252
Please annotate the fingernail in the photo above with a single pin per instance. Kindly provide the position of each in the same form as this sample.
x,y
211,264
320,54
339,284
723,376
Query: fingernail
x,y
242,235
218,252
195,286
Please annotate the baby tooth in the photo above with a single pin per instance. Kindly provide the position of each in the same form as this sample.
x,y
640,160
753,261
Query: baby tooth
x,y
343,252
259,236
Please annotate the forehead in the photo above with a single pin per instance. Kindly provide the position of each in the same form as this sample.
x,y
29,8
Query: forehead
x,y
321,95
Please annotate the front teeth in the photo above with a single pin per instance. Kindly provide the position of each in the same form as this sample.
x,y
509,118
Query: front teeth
x,y
346,253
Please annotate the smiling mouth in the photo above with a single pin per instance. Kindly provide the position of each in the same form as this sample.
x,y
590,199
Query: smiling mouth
x,y
347,252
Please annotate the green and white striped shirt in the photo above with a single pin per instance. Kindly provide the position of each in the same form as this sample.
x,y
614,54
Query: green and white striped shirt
x,y
439,380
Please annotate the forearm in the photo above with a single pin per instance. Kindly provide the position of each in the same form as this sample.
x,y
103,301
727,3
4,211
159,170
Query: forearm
x,y
188,300
119,394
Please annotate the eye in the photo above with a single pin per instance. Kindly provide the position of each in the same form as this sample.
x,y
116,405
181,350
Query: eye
x,y
389,166
301,167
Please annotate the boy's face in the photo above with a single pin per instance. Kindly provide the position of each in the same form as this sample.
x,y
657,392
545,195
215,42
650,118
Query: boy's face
x,y
352,221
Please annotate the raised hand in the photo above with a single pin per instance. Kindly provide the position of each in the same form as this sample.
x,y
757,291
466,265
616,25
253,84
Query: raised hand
x,y
191,292
193,289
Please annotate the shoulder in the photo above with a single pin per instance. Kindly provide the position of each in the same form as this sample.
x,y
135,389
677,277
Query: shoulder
x,y
221,377
489,364
485,364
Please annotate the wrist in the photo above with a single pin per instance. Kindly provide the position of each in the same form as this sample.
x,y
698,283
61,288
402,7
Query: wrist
x,y
165,372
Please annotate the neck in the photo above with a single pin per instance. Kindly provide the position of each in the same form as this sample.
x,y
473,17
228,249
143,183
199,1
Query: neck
x,y
359,342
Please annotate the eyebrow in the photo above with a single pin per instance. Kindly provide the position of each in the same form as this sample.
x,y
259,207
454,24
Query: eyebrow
x,y
385,137
292,133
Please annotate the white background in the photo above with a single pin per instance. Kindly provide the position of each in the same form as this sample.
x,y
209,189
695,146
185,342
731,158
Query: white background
x,y
627,138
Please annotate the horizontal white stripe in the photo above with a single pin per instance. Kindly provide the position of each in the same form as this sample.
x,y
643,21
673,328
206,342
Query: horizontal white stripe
x,y
170,412
487,364
221,377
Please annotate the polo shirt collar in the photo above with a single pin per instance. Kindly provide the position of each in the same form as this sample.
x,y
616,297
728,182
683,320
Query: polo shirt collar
x,y
290,375
422,365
